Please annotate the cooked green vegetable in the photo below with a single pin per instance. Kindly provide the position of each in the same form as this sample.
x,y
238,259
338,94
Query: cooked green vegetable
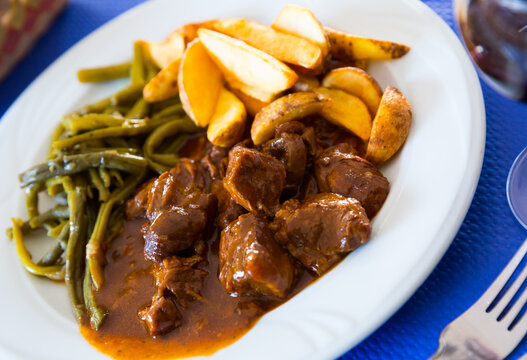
x,y
32,199
137,71
163,162
94,255
98,157
104,73
73,164
75,249
59,212
139,110
91,122
96,313
51,272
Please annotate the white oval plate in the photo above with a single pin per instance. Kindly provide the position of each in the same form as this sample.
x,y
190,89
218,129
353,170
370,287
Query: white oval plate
x,y
432,179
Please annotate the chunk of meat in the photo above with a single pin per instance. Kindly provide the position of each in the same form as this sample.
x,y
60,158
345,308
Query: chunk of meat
x,y
178,210
251,262
215,161
291,151
309,186
161,317
228,209
328,134
352,176
173,229
255,180
136,206
321,230
306,132
182,185
181,278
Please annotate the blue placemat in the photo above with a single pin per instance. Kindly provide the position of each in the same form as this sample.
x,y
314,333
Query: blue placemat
x,y
486,241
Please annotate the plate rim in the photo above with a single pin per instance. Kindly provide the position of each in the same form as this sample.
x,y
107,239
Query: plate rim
x,y
466,190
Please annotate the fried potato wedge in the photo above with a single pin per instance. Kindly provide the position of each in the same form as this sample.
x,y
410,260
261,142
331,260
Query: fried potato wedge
x,y
288,48
165,52
252,105
390,127
199,82
306,83
349,47
299,21
227,124
284,109
348,111
190,31
356,82
246,68
164,85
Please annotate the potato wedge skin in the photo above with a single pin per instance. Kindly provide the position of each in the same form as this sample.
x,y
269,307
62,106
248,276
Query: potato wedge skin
x,y
227,124
284,109
356,82
164,85
252,105
348,47
390,127
284,47
246,68
348,111
200,82
165,52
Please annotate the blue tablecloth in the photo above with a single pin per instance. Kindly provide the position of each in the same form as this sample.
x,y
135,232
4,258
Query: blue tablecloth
x,y
485,242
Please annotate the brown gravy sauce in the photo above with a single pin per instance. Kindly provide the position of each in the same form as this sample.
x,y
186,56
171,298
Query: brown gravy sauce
x,y
207,327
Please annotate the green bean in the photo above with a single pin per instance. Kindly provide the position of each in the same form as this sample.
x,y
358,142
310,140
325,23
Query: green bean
x,y
117,142
116,110
115,223
55,135
161,105
91,122
59,212
116,176
75,249
94,255
51,272
128,129
55,232
52,255
128,95
139,110
73,164
96,181
137,71
176,109
151,70
32,199
58,184
158,135
120,150
96,313
96,107
104,73
175,144
105,176
25,228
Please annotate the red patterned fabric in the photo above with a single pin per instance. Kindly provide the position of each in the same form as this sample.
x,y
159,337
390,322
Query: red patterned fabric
x,y
22,22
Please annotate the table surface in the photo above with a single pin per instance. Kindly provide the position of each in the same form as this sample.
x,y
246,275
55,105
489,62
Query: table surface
x,y
484,244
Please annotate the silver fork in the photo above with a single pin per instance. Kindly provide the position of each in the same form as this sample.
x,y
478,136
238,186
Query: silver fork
x,y
478,334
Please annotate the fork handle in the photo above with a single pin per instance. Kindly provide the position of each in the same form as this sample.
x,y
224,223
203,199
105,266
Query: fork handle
x,y
463,349
453,352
